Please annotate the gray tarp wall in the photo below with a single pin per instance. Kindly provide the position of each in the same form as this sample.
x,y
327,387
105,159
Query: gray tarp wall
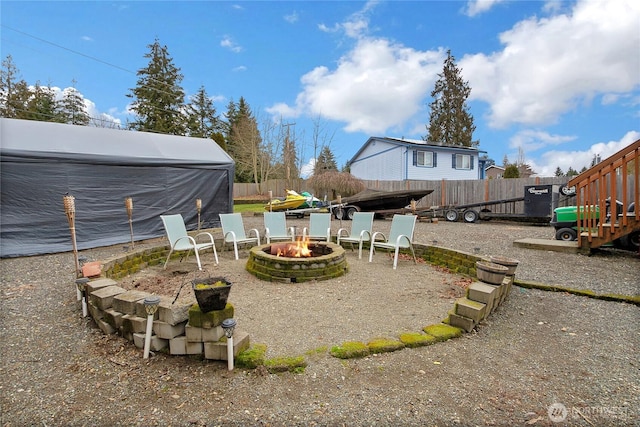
x,y
40,162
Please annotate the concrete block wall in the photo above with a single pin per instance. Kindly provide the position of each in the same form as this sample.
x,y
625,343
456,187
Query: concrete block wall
x,y
181,329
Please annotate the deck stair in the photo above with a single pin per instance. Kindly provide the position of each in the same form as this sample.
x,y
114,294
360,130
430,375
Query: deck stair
x,y
613,179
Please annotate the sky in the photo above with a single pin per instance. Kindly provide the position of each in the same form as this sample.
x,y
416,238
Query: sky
x,y
553,83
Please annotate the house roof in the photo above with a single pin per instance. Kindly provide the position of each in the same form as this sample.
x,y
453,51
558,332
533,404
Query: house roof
x,y
495,167
412,143
47,140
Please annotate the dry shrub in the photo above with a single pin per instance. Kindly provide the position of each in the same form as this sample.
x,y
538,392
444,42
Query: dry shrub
x,y
334,183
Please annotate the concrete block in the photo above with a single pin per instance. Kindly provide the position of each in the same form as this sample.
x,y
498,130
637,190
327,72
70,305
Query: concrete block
x,y
484,293
133,324
212,334
461,322
218,350
192,333
105,327
167,331
113,317
180,346
94,285
472,309
210,319
173,313
156,343
126,302
95,312
103,298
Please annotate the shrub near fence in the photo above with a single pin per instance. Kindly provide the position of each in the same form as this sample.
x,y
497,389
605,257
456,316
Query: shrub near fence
x,y
445,193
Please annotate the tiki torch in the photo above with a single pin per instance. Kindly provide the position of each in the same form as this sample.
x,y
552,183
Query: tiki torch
x,y
199,209
70,210
128,203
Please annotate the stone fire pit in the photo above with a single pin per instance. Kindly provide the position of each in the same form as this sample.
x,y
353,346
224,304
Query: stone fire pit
x,y
327,261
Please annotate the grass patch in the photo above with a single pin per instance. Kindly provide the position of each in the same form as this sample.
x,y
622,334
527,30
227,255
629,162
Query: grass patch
x,y
295,364
249,207
350,350
442,332
384,345
252,358
416,339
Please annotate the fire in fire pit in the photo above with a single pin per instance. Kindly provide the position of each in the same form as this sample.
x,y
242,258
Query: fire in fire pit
x,y
297,261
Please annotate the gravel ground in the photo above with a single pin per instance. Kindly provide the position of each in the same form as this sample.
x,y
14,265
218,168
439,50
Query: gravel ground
x,y
538,349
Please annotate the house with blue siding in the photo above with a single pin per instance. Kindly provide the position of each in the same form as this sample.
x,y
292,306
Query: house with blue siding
x,y
399,159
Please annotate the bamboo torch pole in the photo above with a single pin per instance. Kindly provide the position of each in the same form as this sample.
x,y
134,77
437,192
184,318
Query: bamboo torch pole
x,y
128,203
70,211
199,209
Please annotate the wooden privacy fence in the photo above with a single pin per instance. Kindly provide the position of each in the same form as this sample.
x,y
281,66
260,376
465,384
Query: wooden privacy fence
x,y
445,192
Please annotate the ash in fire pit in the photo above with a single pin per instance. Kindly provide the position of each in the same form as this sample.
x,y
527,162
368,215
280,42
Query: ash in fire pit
x,y
297,261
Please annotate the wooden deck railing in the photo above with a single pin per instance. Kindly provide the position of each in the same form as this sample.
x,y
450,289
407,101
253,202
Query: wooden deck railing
x,y
598,187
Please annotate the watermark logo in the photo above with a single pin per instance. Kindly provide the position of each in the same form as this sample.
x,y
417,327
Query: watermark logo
x,y
557,412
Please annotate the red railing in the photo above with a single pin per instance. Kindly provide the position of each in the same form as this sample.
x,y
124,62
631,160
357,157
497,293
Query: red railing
x,y
598,186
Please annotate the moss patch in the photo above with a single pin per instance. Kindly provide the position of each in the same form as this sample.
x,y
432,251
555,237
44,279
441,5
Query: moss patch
x,y
286,364
252,358
631,299
350,350
442,332
416,339
384,345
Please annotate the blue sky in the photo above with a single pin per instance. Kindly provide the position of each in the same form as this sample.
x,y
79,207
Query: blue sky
x,y
554,82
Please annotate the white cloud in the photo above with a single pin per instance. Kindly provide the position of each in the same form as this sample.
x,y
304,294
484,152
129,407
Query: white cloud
x,y
307,169
239,68
549,66
533,140
577,159
292,17
228,43
476,7
376,86
86,38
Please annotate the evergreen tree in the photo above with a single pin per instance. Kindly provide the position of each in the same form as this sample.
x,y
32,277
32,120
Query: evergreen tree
x,y
571,172
290,158
158,98
72,108
244,142
584,169
14,93
559,172
450,121
202,121
511,171
326,161
42,105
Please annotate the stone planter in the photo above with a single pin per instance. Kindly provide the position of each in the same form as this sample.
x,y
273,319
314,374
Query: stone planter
x,y
211,293
510,263
490,272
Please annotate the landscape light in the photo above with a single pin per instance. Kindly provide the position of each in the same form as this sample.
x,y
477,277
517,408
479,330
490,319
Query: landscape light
x,y
151,306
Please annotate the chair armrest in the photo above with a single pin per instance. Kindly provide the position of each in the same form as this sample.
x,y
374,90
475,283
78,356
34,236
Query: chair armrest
x,y
401,237
204,233
233,236
375,235
363,233
255,230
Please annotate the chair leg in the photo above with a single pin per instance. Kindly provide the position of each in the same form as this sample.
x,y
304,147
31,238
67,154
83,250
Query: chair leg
x,y
168,257
198,260
359,249
235,248
371,253
415,261
395,257
215,253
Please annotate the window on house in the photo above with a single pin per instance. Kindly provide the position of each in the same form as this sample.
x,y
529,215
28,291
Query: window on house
x,y
425,158
462,161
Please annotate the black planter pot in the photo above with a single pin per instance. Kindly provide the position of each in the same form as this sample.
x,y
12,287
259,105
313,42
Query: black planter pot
x,y
210,296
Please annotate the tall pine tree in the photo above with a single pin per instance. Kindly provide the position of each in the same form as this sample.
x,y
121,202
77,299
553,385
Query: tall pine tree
x,y
14,93
450,121
158,98
326,161
202,121
72,108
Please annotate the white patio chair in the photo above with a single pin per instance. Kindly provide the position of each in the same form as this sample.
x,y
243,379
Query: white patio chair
x,y
181,241
400,236
275,227
319,227
233,231
361,229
